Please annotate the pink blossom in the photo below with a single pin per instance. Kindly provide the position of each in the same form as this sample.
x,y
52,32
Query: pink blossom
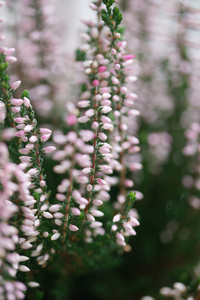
x,y
102,69
128,56
16,101
33,139
73,228
45,131
95,82
15,85
45,137
11,59
49,149
75,211
106,109
26,102
101,181
19,120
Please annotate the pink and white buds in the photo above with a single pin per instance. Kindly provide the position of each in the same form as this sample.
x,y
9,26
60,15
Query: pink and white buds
x,y
15,85
45,131
16,101
128,57
11,59
75,211
49,149
73,228
95,82
55,236
27,102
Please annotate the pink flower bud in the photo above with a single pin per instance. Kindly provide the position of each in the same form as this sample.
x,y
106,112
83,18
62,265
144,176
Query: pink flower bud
x,y
89,187
24,151
23,268
120,236
123,90
106,109
96,224
90,218
128,56
115,81
55,236
27,102
113,51
115,98
106,102
19,120
83,119
33,139
11,59
84,103
16,101
103,136
25,158
97,202
75,211
33,284
45,137
20,133
47,215
54,208
86,170
15,85
73,228
102,69
97,213
49,149
71,120
107,126
42,183
10,51
28,128
95,125
105,119
106,95
101,181
60,197
133,221
45,131
95,82
116,218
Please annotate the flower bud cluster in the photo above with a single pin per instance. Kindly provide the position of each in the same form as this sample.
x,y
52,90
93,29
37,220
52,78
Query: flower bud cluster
x,y
96,153
178,292
101,120
192,179
24,196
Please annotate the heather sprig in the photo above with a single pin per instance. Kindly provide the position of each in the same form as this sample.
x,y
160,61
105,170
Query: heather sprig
x,y
93,154
100,120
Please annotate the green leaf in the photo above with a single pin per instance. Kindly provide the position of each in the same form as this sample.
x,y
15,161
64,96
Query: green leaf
x,y
80,55
106,18
130,199
25,94
121,30
108,2
117,16
39,295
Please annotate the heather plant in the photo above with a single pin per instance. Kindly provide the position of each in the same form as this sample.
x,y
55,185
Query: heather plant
x,y
66,218
35,226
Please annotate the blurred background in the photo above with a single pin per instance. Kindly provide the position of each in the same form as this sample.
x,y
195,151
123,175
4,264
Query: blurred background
x,y
165,38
